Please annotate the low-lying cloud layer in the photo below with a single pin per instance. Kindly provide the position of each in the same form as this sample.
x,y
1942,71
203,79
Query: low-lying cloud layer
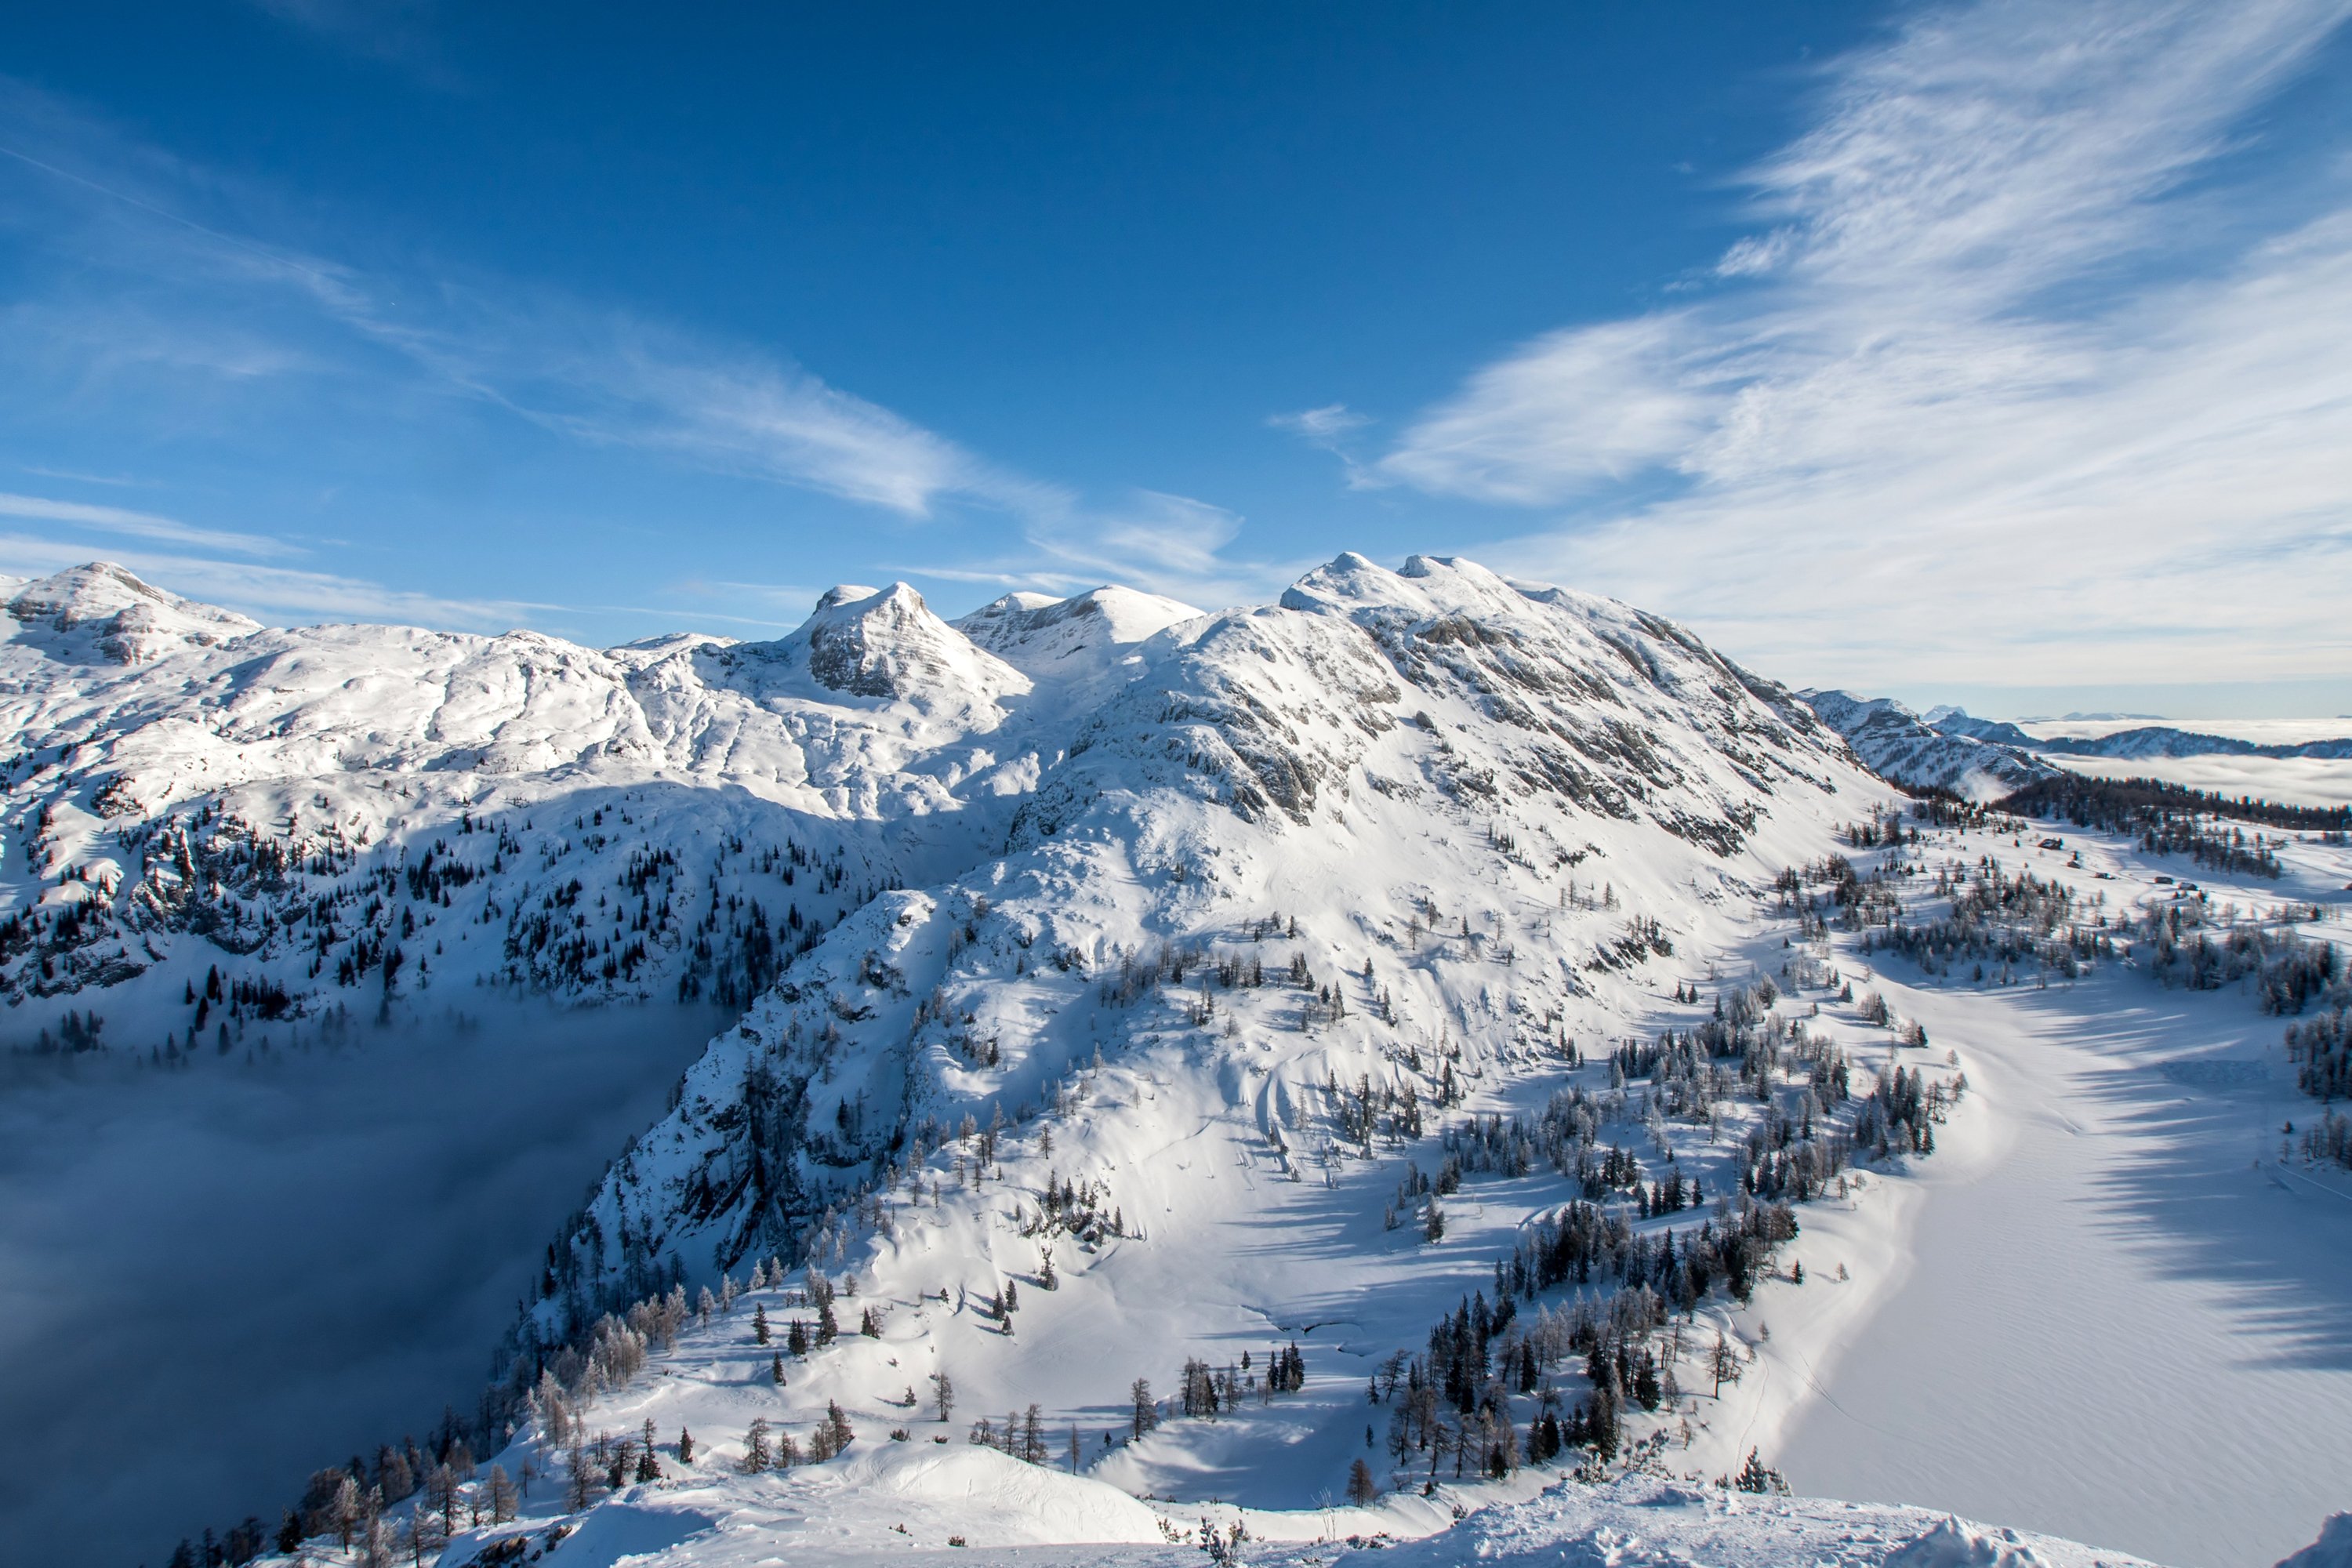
x,y
218,1279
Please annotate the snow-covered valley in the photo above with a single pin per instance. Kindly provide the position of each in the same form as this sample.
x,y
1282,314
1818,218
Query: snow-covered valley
x,y
2120,1316
1436,1033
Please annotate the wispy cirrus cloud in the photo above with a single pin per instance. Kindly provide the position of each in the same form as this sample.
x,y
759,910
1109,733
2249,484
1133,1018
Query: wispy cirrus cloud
x,y
137,524
200,296
630,384
1569,410
279,594
1169,544
195,288
2015,380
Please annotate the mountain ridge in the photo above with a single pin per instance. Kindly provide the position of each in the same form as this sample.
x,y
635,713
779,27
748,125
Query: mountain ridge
x,y
1087,947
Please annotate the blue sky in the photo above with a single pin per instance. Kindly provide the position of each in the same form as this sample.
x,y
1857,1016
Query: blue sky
x,y
1996,352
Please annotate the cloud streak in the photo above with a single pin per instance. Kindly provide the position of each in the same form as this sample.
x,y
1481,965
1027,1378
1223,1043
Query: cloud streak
x,y
279,595
138,525
596,375
2012,383
196,302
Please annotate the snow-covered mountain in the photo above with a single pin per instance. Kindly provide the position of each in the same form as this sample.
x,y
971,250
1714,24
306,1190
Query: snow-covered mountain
x,y
1898,744
2151,740
1349,1017
189,791
1438,804
2166,740
188,788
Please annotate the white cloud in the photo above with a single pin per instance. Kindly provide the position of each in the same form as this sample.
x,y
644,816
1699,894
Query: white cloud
x,y
2010,389
1323,426
210,295
1572,409
277,595
139,524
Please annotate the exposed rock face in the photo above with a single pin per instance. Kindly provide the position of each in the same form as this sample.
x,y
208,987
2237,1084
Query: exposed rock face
x,y
1897,744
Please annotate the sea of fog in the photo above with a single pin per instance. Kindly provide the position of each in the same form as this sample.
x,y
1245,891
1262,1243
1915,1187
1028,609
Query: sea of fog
x,y
215,1278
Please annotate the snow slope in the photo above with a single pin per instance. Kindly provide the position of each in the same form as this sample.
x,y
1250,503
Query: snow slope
x,y
1008,1517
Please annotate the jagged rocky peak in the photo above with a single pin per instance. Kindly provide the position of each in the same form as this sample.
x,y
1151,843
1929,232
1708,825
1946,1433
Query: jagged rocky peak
x,y
886,642
121,618
1894,743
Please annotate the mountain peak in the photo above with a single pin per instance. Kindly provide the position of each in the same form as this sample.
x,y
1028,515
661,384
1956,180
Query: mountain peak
x,y
842,594
127,621
886,643
1048,639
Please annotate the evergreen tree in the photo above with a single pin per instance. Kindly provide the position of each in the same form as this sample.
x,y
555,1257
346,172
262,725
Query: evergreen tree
x,y
760,1323
776,1370
1757,1477
685,1446
1605,1426
756,1457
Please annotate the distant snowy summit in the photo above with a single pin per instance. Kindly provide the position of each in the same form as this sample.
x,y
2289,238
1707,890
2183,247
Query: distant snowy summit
x,y
1985,758
113,616
1897,743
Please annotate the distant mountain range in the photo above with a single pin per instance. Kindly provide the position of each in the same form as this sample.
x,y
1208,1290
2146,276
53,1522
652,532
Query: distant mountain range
x,y
1987,758
2150,741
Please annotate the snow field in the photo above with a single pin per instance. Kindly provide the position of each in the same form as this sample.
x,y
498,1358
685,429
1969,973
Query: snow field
x,y
2118,1317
